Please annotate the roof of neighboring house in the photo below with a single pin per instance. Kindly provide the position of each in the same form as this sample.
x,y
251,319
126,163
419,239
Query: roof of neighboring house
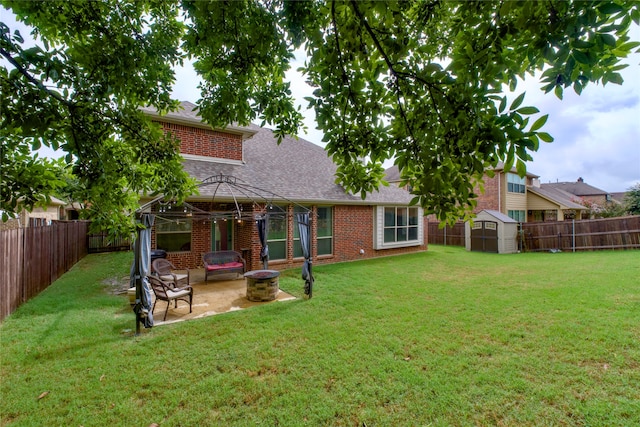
x,y
57,202
500,167
619,196
296,170
393,173
577,188
558,196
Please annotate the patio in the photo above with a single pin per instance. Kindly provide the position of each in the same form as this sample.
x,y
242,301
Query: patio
x,y
217,296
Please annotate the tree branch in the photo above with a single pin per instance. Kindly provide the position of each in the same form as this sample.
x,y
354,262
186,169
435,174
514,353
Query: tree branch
x,y
32,79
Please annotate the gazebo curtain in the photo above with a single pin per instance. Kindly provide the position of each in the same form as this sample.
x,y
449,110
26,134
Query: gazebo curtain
x,y
304,227
140,270
263,232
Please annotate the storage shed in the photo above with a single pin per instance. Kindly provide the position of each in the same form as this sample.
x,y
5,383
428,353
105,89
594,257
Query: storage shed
x,y
492,231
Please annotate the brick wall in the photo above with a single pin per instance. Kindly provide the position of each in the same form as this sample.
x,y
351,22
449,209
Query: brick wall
x,y
352,231
205,142
491,197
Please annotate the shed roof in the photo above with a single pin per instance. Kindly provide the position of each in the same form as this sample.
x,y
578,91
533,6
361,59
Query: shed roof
x,y
499,216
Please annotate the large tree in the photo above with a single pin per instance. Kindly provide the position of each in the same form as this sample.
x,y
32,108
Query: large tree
x,y
632,199
418,81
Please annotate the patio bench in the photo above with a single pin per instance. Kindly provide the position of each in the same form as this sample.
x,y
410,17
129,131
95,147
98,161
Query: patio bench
x,y
223,262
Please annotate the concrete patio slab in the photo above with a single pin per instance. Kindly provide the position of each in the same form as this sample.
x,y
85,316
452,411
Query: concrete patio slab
x,y
222,295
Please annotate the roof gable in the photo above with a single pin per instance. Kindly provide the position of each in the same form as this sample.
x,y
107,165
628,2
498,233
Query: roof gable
x,y
187,114
557,196
295,169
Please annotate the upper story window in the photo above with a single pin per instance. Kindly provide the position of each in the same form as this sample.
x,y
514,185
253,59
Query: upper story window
x,y
398,226
515,183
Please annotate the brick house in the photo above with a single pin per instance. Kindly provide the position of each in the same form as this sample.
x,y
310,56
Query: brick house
x,y
247,173
582,193
521,198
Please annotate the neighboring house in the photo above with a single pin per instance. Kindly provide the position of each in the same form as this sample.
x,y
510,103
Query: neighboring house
x,y
52,212
520,198
243,164
619,196
583,193
551,204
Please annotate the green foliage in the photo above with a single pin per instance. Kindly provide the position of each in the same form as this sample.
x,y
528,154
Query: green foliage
x,y
420,82
632,200
445,337
80,91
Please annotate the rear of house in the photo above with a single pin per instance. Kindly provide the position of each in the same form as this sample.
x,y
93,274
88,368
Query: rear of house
x,y
246,175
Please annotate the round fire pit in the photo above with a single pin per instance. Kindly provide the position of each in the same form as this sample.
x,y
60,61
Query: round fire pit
x,y
262,285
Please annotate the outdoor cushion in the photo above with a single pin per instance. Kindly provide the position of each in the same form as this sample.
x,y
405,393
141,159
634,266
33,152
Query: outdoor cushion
x,y
168,278
224,266
179,293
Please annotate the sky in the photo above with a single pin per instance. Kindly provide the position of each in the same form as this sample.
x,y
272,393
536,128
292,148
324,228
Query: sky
x,y
597,134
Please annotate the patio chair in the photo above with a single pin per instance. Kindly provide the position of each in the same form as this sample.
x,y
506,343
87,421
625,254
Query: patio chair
x,y
164,292
164,270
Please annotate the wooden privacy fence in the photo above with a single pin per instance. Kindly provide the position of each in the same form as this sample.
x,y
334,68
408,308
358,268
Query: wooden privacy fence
x,y
581,235
453,236
34,257
102,243
584,235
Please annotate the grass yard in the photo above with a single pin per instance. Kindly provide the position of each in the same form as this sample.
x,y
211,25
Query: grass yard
x,y
441,338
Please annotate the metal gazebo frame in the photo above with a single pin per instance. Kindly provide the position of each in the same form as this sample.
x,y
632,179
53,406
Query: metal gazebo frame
x,y
169,210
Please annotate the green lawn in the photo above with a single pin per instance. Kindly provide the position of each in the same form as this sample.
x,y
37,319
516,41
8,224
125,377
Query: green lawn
x,y
441,338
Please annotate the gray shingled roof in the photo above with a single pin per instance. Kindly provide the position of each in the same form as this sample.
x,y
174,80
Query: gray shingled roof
x,y
499,216
576,188
561,197
296,170
393,173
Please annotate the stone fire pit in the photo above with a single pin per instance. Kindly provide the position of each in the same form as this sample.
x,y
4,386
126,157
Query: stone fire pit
x,y
262,285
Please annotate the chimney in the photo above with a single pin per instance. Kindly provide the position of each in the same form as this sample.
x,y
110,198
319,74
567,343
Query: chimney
x,y
580,179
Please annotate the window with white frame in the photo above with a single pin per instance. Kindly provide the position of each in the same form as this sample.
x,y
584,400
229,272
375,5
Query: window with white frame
x,y
515,183
398,226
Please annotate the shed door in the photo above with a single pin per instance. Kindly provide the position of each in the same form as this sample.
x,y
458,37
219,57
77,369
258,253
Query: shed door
x,y
484,236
